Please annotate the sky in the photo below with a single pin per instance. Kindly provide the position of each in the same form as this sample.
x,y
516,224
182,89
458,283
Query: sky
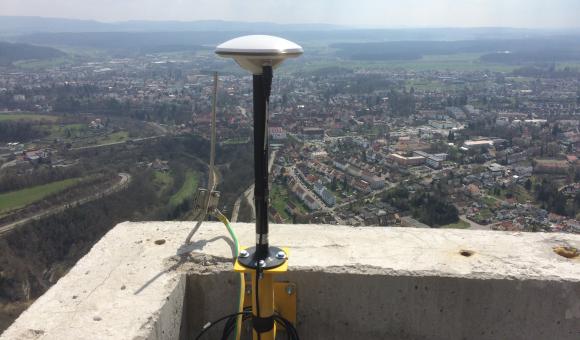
x,y
358,13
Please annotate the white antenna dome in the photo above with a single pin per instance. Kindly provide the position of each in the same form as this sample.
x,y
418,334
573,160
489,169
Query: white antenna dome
x,y
252,52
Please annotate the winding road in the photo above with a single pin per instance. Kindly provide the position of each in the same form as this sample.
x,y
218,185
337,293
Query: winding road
x,y
123,182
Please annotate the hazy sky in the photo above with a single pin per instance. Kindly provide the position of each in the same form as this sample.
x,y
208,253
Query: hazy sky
x,y
387,13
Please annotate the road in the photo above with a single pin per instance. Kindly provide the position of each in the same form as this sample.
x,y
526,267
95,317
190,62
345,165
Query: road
x,y
474,225
135,140
248,195
125,179
162,130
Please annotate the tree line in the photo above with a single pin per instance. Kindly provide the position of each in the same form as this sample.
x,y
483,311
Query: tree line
x,y
429,208
18,131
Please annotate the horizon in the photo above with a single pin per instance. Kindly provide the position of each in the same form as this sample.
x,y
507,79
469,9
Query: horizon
x,y
531,14
336,26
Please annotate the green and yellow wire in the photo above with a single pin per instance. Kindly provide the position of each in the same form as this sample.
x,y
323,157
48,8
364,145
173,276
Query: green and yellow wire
x,y
242,290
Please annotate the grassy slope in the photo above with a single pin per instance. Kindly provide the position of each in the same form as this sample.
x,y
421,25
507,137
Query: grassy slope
x,y
26,116
20,198
163,181
279,198
459,225
114,137
187,189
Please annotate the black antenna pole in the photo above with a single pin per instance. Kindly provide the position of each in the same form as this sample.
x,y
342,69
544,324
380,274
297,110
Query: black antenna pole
x,y
262,88
262,256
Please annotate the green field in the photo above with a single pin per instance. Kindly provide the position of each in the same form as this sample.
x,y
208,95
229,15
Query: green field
x,y
279,199
115,137
15,116
490,201
162,181
17,199
187,189
519,193
67,130
459,61
461,224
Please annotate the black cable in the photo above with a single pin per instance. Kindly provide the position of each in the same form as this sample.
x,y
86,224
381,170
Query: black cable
x,y
209,325
291,332
231,324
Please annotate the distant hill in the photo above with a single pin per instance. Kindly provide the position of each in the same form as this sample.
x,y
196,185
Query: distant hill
x,y
15,24
137,37
10,52
26,25
536,49
128,43
356,44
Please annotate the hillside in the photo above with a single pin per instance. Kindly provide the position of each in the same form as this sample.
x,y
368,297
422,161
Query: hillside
x,y
22,24
536,49
10,52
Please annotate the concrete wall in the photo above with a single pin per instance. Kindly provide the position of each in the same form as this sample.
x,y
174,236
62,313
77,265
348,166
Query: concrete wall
x,y
140,282
343,304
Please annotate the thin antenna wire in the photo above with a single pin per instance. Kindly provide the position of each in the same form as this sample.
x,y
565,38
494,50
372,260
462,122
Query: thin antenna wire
x,y
211,182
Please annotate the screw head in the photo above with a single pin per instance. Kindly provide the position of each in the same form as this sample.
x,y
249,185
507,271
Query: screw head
x,y
280,255
244,253
262,263
290,289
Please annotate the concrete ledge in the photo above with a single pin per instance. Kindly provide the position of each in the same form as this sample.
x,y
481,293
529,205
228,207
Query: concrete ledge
x,y
140,282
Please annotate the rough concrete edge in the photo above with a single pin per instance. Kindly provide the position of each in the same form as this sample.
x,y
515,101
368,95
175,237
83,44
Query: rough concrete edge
x,y
164,324
204,264
378,271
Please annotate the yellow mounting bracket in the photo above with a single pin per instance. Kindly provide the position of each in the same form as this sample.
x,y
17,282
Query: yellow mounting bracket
x,y
274,297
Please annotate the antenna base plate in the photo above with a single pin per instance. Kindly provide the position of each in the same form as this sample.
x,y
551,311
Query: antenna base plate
x,y
271,261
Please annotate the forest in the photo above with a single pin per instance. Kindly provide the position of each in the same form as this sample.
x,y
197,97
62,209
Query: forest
x,y
428,208
10,52
519,50
11,131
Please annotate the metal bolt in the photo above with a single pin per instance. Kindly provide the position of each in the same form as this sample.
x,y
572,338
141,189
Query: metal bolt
x,y
262,263
280,255
290,289
244,254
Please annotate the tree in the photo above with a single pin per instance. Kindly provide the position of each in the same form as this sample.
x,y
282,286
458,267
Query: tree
x,y
528,185
333,184
451,136
433,210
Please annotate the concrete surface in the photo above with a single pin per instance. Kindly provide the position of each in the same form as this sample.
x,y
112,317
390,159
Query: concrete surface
x,y
139,282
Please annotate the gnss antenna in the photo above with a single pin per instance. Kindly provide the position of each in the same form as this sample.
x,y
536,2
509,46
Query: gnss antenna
x,y
261,54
